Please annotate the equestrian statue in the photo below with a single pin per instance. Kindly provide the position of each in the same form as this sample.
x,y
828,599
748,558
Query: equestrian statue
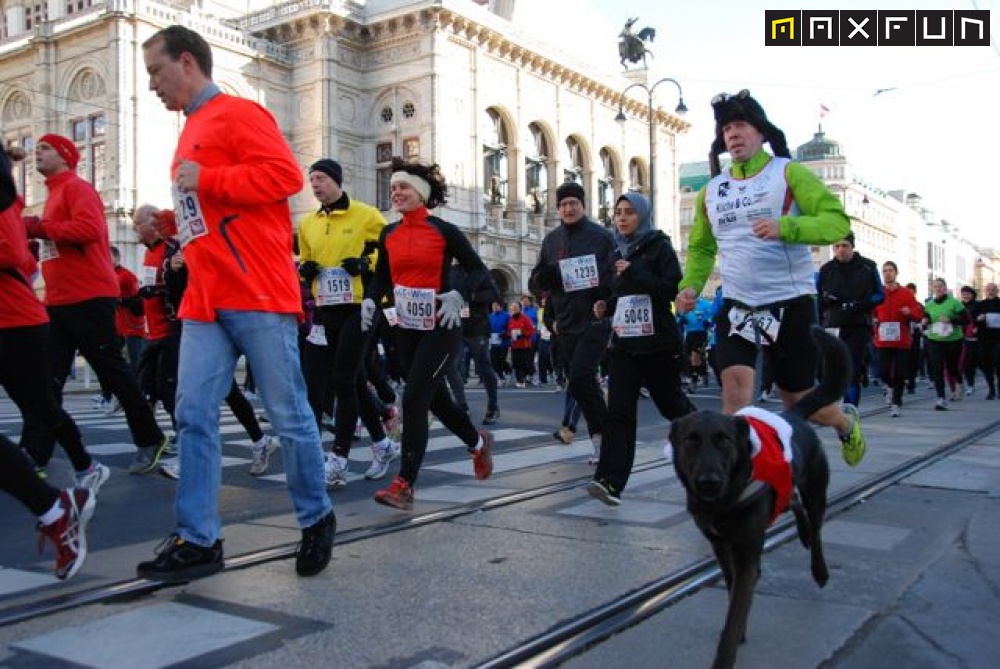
x,y
631,48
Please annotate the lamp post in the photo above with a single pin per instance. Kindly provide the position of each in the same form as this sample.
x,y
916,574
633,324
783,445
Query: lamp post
x,y
681,109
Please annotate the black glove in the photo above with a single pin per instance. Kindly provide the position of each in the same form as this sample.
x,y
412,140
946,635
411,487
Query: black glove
x,y
309,270
149,292
850,307
830,297
355,266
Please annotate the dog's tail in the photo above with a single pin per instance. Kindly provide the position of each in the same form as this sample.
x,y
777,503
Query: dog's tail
x,y
836,376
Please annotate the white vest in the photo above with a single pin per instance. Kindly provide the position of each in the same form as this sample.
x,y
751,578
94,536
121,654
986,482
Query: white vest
x,y
756,271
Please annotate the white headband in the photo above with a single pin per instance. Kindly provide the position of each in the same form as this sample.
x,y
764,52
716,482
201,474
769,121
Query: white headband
x,y
420,185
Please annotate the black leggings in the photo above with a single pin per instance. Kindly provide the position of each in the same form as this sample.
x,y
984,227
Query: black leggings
x,y
90,328
580,357
158,371
425,357
340,366
894,365
24,374
660,373
943,355
18,479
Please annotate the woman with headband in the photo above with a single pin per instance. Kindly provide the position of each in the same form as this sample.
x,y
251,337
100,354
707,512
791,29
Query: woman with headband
x,y
412,277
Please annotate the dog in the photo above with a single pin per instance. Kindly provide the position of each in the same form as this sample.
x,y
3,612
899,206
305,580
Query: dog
x,y
733,507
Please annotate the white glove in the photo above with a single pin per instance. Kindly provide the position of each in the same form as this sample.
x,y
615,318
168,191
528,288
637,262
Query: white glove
x,y
450,312
368,309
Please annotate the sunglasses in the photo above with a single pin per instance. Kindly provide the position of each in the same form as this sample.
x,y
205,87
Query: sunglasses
x,y
725,97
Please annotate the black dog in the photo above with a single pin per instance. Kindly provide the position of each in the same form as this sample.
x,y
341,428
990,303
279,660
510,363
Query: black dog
x,y
733,508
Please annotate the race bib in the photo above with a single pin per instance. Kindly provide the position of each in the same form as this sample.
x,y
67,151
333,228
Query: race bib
x,y
579,273
187,212
147,276
317,335
494,339
390,316
415,308
633,316
742,324
334,286
993,320
47,250
889,331
942,329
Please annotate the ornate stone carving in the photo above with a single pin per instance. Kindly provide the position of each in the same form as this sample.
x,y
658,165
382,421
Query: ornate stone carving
x,y
18,108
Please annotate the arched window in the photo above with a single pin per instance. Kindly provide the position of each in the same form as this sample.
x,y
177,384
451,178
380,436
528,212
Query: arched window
x,y
537,171
16,127
574,171
606,188
637,176
495,160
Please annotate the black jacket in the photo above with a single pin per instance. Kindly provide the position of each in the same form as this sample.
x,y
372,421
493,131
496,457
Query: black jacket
x,y
849,291
572,311
655,271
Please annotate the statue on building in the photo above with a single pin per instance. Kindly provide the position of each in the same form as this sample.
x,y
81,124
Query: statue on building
x,y
631,48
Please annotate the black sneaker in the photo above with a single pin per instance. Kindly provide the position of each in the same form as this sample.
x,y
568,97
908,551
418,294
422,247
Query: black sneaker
x,y
179,561
604,491
317,544
491,418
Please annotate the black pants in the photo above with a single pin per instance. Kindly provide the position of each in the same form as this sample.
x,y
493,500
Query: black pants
x,y
158,371
990,352
90,328
856,337
24,374
425,357
660,373
580,356
18,479
971,361
895,367
942,355
339,366
243,410
522,362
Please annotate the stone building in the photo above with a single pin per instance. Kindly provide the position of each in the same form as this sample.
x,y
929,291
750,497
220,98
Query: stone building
x,y
457,82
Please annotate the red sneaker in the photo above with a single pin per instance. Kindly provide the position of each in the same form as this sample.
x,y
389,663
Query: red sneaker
x,y
482,459
399,494
69,533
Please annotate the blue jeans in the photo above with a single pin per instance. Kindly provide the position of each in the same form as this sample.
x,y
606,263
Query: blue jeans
x,y
209,352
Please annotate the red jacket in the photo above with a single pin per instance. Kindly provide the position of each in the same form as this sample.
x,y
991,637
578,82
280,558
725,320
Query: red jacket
x,y
161,322
19,307
889,318
244,261
127,322
527,328
74,219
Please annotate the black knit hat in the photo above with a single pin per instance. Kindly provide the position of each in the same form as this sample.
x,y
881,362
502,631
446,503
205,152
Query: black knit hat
x,y
742,107
849,238
331,168
569,189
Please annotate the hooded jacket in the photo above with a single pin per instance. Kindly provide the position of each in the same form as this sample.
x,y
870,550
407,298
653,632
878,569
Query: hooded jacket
x,y
653,270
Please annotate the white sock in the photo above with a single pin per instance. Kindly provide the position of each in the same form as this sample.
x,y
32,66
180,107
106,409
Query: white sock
x,y
53,514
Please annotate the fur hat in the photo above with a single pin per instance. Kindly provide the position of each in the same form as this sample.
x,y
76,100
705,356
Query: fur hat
x,y
64,147
331,168
742,107
569,189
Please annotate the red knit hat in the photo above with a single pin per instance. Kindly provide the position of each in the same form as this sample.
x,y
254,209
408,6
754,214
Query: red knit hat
x,y
64,147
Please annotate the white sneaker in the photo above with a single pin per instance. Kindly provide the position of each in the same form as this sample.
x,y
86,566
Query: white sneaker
x,y
261,452
887,396
171,468
381,459
595,444
93,478
969,391
112,407
335,471
894,411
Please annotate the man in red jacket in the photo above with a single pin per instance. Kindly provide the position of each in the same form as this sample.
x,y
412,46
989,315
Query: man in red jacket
x,y
81,292
893,334
233,173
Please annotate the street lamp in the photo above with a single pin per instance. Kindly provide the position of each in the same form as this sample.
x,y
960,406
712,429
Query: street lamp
x,y
681,109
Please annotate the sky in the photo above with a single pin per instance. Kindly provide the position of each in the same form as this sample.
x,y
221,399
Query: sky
x,y
933,131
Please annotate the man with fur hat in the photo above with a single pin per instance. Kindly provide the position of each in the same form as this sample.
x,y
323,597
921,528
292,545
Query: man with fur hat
x,y
850,288
81,293
575,268
762,214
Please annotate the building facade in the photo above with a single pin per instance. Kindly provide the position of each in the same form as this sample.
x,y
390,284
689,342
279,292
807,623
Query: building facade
x,y
455,82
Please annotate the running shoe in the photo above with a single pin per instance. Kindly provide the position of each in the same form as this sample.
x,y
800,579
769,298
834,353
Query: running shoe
x,y
69,533
171,468
335,471
147,458
482,457
894,411
491,417
398,495
93,478
179,561
260,452
313,554
382,457
853,446
602,490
